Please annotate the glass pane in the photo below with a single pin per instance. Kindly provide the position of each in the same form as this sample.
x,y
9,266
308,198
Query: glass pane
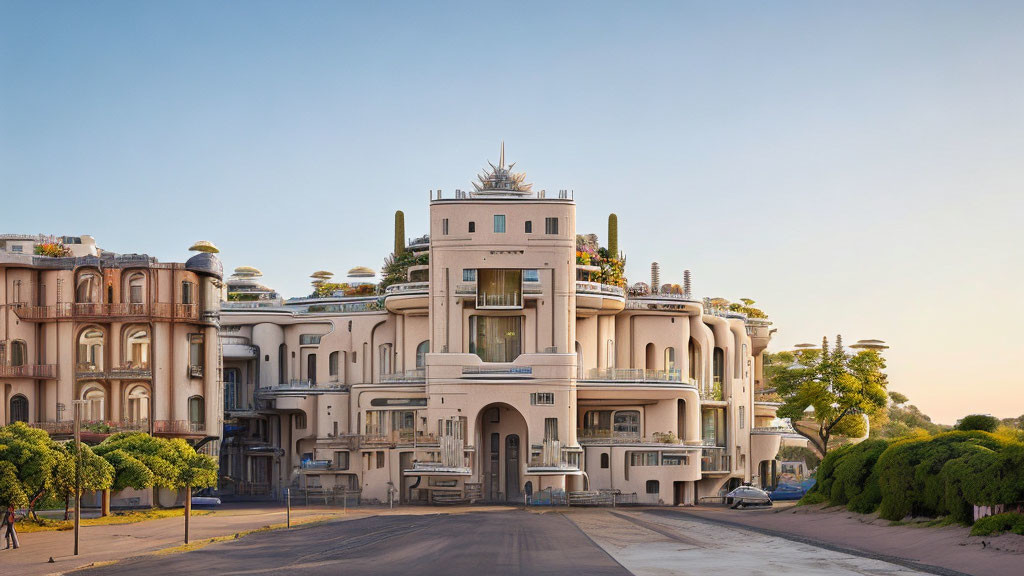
x,y
499,287
496,338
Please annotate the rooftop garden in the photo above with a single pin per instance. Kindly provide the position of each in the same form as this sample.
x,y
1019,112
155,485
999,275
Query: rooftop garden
x,y
52,249
744,306
610,268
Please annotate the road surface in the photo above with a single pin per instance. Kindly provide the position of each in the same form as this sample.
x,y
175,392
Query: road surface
x,y
591,541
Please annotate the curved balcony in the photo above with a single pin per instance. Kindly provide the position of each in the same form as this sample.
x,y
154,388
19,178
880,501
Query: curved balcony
x,y
407,296
596,298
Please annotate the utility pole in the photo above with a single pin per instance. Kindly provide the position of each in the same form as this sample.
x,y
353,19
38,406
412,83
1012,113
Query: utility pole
x,y
188,509
78,470
288,501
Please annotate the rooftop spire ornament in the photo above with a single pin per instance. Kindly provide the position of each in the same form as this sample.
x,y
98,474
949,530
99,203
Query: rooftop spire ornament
x,y
501,179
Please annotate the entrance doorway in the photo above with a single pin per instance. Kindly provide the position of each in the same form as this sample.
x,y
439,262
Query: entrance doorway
x,y
502,432
512,467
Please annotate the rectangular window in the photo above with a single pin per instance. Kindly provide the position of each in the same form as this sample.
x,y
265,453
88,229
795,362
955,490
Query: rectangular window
x,y
496,338
531,276
195,350
529,227
627,423
499,223
188,293
551,225
550,429
16,248
444,226
674,460
332,364
499,288
542,398
653,487
469,275
374,422
341,460
472,226
597,423
643,458
403,424
380,459
712,424
309,339
743,419
300,420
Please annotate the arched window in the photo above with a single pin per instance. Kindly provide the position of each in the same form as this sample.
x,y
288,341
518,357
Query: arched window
x,y
604,460
718,364
670,359
136,347
611,353
282,364
138,404
650,358
90,350
196,414
95,402
421,354
136,288
87,289
19,353
695,360
579,361
332,364
19,409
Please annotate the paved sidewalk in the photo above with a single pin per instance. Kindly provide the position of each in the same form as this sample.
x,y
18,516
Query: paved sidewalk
x,y
114,542
950,547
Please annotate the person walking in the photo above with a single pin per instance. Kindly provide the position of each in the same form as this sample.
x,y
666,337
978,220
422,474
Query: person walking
x,y
11,534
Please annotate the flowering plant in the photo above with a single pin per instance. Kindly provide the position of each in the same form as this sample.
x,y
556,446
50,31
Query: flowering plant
x,y
52,249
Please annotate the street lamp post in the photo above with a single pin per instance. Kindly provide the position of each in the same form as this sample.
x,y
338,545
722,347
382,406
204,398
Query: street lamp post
x,y
78,470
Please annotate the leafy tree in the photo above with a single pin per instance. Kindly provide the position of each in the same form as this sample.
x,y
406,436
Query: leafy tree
x,y
12,493
97,473
35,458
129,471
982,422
904,420
837,387
170,463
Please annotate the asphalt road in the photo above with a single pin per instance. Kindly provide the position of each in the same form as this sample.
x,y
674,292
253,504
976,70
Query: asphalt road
x,y
492,543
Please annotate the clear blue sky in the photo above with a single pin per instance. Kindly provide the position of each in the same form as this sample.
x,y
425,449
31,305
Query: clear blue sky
x,y
853,167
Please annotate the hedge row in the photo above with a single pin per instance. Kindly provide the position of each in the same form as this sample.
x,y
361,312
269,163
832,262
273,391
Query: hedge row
x,y
942,475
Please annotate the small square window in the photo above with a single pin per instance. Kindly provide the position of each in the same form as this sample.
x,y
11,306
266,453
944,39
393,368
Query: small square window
x,y
499,223
472,226
531,276
542,398
529,227
469,275
300,421
653,487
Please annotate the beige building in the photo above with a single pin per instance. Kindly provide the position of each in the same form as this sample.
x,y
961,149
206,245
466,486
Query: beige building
x,y
135,339
505,367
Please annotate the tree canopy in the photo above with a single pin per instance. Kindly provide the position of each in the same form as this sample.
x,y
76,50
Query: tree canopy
x,y
831,387
982,422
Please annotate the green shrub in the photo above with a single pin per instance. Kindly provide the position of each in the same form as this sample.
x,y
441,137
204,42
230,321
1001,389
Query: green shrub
x,y
982,422
813,497
1008,522
852,472
909,472
983,477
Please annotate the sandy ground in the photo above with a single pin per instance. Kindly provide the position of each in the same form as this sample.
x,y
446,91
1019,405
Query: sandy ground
x,y
949,547
651,544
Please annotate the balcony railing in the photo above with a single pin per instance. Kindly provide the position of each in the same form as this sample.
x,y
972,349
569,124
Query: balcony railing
x,y
169,427
712,391
600,436
585,287
497,370
553,454
715,459
88,310
407,287
499,300
399,437
412,376
637,375
40,371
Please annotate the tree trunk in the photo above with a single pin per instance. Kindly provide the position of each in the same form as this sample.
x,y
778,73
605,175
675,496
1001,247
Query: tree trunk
x,y
67,506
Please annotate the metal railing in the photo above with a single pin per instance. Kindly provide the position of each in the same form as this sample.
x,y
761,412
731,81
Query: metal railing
x,y
586,287
407,287
86,310
712,391
715,459
170,427
399,437
40,371
500,300
637,375
601,436
497,370
414,376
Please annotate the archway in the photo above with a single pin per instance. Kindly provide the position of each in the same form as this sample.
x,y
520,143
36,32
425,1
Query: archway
x,y
504,437
650,359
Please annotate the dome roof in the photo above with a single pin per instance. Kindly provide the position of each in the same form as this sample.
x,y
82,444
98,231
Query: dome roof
x,y
205,263
204,246
248,271
361,272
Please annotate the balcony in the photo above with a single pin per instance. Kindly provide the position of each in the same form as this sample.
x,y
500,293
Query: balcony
x,y
499,371
298,388
402,437
551,456
66,428
638,375
711,392
86,370
418,376
714,459
106,311
585,287
38,371
407,288
604,437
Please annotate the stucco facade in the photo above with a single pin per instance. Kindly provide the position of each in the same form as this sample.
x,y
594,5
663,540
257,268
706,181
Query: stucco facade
x,y
498,373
